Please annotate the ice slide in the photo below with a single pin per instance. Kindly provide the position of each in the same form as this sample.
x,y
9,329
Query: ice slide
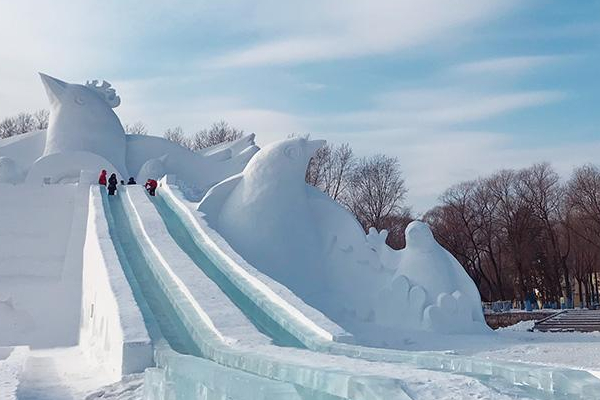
x,y
180,370
283,308
223,334
180,327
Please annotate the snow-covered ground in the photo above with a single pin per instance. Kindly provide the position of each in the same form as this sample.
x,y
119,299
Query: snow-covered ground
x,y
63,373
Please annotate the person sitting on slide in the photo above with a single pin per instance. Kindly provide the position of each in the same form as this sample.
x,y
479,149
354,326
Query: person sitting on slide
x,y
102,178
151,186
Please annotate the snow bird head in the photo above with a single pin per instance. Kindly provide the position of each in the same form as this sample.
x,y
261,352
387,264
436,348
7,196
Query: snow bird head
x,y
284,160
82,119
74,95
419,236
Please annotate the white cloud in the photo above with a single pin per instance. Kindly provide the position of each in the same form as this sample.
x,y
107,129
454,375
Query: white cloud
x,y
352,28
482,107
313,86
510,65
428,108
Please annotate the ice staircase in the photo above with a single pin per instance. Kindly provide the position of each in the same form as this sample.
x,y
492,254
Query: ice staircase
x,y
570,321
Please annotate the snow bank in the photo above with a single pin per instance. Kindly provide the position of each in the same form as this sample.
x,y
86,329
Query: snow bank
x,y
23,150
112,328
40,275
9,171
12,361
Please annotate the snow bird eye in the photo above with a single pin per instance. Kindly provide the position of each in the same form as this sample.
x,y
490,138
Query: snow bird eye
x,y
291,152
79,100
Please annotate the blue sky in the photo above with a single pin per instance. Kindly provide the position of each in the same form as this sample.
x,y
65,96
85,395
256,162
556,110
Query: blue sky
x,y
453,89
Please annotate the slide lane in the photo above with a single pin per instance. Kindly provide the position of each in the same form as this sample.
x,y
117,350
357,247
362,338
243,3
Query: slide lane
x,y
530,380
180,372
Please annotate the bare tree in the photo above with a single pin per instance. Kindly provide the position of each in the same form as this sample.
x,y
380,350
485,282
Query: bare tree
x,y
137,128
317,166
42,117
338,171
377,190
463,225
519,230
219,132
8,127
25,122
540,187
176,135
584,196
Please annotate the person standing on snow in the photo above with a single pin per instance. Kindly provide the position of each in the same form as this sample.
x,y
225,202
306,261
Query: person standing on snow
x,y
131,181
112,184
102,178
151,186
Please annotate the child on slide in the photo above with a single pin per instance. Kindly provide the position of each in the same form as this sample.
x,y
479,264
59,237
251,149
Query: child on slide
x,y
102,178
151,186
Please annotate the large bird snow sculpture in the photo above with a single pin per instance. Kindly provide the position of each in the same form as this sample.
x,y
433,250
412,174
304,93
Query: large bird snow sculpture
x,y
82,120
84,133
301,237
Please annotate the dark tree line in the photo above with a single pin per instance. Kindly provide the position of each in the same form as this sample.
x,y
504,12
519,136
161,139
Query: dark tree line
x,y
519,230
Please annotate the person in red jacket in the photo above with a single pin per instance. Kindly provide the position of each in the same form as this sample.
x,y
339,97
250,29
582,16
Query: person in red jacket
x,y
102,178
151,186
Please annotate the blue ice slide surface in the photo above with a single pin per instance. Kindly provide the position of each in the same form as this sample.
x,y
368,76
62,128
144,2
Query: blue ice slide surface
x,y
180,372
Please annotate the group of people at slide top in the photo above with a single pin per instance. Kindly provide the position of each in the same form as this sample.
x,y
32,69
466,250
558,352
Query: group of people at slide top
x,y
150,185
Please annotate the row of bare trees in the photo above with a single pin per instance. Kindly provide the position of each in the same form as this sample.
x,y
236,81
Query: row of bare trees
x,y
23,122
218,132
517,231
372,188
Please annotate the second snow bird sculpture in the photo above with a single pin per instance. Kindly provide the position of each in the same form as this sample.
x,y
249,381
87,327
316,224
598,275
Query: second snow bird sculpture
x,y
267,205
301,237
82,119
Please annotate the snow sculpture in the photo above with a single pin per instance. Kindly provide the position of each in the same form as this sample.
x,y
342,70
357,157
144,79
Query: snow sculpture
x,y
82,119
9,172
152,169
267,204
448,298
67,168
301,237
85,134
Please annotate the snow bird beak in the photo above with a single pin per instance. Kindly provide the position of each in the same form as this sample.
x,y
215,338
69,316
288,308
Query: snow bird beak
x,y
314,145
54,87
